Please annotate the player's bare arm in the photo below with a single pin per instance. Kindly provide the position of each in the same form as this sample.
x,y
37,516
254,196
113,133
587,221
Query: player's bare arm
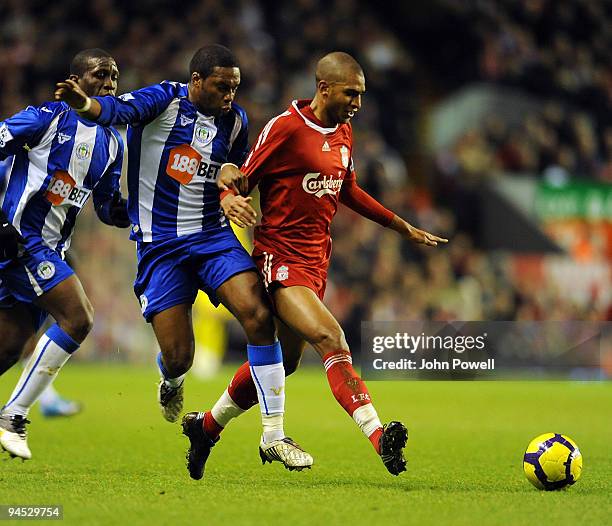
x,y
235,207
70,92
239,210
231,178
412,233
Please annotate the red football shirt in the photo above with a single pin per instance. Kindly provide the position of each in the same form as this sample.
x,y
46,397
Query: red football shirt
x,y
301,167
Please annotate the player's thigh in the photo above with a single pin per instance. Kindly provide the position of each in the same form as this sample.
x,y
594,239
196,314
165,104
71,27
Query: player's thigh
x,y
302,311
292,344
245,297
173,329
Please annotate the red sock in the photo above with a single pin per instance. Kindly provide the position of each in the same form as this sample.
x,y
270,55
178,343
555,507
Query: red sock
x,y
242,388
375,439
350,390
210,426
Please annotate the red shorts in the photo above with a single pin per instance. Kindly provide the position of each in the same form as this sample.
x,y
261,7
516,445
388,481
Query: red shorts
x,y
278,271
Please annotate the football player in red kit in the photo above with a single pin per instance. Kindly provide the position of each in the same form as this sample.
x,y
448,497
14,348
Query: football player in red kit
x,y
302,163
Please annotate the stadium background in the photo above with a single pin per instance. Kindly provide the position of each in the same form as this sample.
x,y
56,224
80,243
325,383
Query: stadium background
x,y
436,142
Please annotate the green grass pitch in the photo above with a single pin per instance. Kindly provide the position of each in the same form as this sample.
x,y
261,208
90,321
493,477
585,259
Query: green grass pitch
x,y
120,463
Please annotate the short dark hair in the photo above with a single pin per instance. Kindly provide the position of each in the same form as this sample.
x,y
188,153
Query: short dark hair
x,y
80,62
207,58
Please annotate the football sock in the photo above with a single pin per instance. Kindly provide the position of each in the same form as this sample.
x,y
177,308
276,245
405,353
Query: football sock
x,y
51,353
242,388
273,428
171,382
366,418
268,372
210,426
352,393
50,395
220,415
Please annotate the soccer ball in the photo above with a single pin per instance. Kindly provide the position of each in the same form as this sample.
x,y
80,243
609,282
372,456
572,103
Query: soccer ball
x,y
552,461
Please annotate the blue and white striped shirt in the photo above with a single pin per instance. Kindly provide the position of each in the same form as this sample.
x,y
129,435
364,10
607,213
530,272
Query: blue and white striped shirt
x,y
174,157
59,160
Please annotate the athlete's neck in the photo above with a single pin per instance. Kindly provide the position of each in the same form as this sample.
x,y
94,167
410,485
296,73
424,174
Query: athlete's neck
x,y
318,108
191,98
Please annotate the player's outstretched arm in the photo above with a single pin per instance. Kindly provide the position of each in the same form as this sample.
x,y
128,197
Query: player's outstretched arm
x,y
415,234
364,204
70,92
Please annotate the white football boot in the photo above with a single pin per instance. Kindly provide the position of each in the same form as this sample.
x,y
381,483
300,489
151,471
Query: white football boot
x,y
286,451
14,437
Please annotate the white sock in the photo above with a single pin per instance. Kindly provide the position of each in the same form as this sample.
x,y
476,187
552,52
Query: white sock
x,y
225,409
51,353
171,382
367,419
175,382
50,395
268,373
272,427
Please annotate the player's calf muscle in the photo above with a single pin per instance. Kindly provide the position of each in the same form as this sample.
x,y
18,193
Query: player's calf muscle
x,y
291,363
8,357
16,328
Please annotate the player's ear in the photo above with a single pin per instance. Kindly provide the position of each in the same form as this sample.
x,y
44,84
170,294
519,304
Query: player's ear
x,y
323,87
196,78
73,77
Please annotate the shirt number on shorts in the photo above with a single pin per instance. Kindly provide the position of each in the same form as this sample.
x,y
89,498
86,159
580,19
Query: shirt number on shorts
x,y
183,163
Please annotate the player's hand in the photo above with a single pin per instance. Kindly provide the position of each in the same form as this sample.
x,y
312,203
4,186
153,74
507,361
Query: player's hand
x,y
238,210
415,234
118,211
11,241
420,236
70,92
231,178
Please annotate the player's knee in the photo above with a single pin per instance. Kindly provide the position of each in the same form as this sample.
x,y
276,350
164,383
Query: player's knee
x,y
178,363
328,338
258,323
80,323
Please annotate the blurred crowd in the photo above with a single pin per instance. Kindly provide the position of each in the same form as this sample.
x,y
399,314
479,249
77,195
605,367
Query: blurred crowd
x,y
557,50
554,142
374,274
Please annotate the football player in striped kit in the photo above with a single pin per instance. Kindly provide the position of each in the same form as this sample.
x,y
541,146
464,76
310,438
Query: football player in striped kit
x,y
50,402
59,161
179,136
302,163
